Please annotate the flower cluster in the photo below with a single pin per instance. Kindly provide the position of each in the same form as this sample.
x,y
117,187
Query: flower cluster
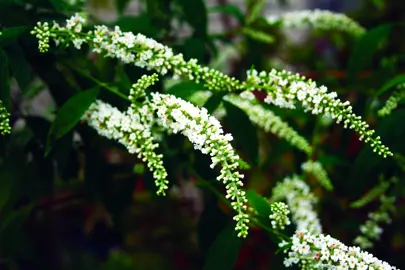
x,y
319,19
137,49
370,229
266,119
284,89
392,101
206,134
315,168
129,129
4,120
138,89
313,251
279,217
300,202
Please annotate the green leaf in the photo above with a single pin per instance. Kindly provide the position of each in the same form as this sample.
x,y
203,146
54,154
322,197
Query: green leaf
x,y
11,35
371,195
259,203
4,80
69,115
255,11
184,90
364,49
244,132
213,102
258,35
391,83
139,24
195,13
229,9
121,5
223,253
20,68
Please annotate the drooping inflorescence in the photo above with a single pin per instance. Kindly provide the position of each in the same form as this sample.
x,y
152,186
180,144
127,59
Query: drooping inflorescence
x,y
279,217
319,19
131,129
4,120
300,201
320,251
285,90
315,168
266,119
206,134
392,101
371,229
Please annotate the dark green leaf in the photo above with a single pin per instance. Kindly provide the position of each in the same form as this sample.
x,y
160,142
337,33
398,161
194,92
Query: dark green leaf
x,y
229,9
121,5
69,115
123,79
10,35
244,132
364,49
19,66
213,102
184,90
224,251
195,48
391,83
258,203
195,13
139,24
4,80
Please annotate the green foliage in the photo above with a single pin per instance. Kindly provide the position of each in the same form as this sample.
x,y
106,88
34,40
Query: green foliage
x,y
69,115
224,251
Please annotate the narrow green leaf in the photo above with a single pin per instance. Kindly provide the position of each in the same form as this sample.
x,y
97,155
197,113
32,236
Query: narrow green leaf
x,y
390,84
19,67
244,133
364,49
258,35
195,13
259,203
11,35
213,102
4,80
371,195
69,115
229,9
223,253
255,11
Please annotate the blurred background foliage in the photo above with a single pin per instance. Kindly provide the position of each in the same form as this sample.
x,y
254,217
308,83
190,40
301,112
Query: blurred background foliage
x,y
91,205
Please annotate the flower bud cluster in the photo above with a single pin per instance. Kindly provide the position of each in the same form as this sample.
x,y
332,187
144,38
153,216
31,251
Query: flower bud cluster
x,y
370,229
130,130
206,134
279,217
300,201
285,89
4,120
320,251
315,168
392,101
319,19
266,119
138,89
